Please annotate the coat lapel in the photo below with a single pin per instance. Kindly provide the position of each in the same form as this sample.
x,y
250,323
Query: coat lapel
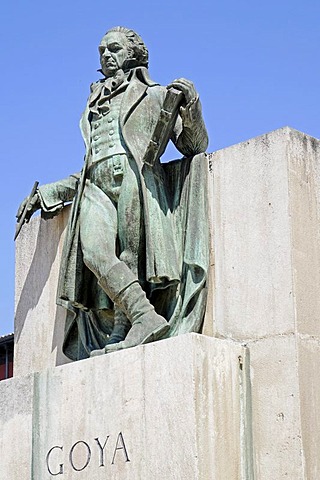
x,y
132,96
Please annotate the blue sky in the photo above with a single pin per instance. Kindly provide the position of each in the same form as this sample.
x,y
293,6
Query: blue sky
x,y
255,65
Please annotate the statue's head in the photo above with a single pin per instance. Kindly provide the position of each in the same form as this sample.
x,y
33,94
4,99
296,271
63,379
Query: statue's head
x,y
122,48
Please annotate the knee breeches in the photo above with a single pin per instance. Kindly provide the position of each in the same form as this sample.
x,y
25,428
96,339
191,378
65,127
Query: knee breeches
x,y
111,229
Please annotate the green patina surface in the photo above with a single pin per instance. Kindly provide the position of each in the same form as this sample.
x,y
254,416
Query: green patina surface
x,y
136,253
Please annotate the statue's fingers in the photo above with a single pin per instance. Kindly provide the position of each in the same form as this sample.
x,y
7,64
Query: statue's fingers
x,y
20,209
30,211
187,89
177,84
34,200
185,86
183,82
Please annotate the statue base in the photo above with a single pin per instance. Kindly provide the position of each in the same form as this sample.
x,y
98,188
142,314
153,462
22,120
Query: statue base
x,y
173,409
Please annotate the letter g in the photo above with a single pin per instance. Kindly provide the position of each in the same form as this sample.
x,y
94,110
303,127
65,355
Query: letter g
x,y
47,462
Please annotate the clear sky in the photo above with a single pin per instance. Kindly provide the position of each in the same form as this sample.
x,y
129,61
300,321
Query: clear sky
x,y
254,63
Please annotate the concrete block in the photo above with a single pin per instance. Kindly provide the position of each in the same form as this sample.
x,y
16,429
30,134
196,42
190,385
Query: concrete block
x,y
39,322
174,409
253,270
265,201
304,186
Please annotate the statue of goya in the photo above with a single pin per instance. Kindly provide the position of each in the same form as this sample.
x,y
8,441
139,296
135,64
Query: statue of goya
x,y
136,253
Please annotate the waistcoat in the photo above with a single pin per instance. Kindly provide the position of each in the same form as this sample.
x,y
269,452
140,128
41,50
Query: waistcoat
x,y
106,138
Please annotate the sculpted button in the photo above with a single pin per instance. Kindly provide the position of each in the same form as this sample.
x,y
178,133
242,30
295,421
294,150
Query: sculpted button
x,y
111,132
96,137
96,150
96,125
111,145
110,119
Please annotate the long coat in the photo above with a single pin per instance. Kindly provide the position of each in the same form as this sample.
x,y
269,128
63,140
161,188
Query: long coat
x,y
174,206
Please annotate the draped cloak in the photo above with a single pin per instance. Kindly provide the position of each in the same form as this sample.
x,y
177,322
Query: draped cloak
x,y
175,212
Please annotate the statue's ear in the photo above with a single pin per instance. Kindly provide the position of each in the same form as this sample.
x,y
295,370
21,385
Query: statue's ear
x,y
130,62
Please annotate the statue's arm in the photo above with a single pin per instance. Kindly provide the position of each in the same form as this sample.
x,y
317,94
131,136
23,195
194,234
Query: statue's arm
x,y
190,134
50,198
53,196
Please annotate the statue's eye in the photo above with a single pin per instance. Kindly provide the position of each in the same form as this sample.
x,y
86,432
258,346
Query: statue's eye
x,y
114,48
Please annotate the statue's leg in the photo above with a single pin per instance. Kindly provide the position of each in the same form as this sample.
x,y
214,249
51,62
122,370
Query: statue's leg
x,y
98,229
130,241
121,326
123,287
147,325
130,222
98,233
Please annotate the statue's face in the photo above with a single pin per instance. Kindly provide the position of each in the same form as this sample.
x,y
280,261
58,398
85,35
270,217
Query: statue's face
x,y
113,51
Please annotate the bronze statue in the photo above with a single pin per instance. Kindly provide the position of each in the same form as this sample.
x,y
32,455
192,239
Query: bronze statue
x,y
135,258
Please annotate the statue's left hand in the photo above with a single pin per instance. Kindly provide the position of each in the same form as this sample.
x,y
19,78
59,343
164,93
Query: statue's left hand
x,y
34,205
186,87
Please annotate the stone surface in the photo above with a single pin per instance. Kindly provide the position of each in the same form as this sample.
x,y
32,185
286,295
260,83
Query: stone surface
x,y
276,416
265,220
174,409
309,386
265,199
16,411
39,322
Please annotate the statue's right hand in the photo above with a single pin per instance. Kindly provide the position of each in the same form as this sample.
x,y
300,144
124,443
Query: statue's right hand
x,y
33,206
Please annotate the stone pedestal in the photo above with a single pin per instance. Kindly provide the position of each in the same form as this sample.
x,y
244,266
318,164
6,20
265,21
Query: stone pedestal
x,y
265,219
174,409
266,209
242,405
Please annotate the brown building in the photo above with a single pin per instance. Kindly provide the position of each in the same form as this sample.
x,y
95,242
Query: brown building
x,y
6,356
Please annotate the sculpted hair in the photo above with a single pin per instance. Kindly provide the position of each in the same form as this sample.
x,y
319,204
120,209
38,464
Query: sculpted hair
x,y
138,52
